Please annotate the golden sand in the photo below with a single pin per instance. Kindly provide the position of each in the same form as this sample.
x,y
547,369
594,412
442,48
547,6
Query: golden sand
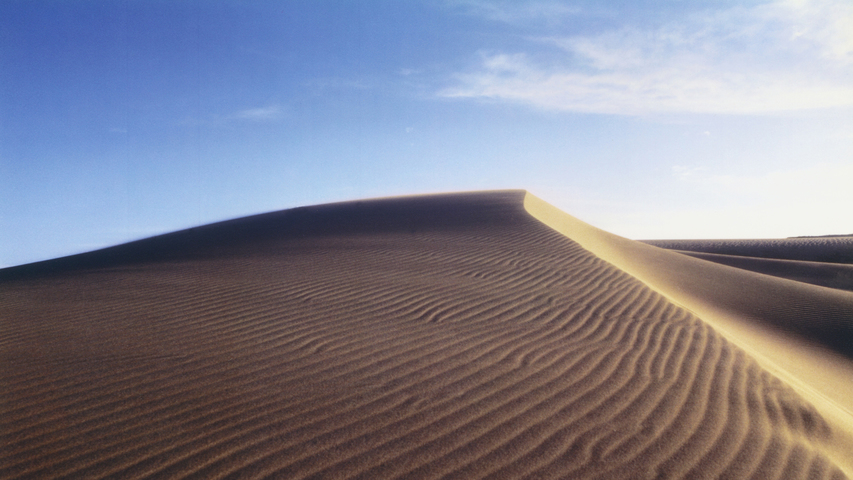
x,y
483,335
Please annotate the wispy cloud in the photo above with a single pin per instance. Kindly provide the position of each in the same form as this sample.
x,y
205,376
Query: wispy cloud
x,y
258,114
517,11
684,172
269,113
781,56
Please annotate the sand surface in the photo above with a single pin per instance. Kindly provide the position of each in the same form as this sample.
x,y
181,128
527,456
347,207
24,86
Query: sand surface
x,y
825,261
828,249
483,335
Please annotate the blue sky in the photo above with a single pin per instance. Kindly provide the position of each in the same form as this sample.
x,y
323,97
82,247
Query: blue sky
x,y
651,119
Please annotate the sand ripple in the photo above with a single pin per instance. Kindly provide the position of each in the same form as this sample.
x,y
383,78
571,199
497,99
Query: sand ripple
x,y
489,346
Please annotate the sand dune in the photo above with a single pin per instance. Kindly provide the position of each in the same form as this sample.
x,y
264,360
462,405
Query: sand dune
x,y
829,249
825,274
824,261
482,335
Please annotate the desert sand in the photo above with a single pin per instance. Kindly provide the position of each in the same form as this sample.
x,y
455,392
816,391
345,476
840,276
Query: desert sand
x,y
474,335
825,261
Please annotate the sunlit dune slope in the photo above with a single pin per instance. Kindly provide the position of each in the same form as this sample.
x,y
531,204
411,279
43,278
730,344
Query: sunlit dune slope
x,y
821,314
482,335
802,332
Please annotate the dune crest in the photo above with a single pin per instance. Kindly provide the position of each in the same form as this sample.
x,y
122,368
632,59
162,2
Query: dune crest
x,y
801,332
445,336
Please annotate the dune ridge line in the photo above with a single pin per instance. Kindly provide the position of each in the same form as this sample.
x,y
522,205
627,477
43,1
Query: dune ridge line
x,y
447,336
785,325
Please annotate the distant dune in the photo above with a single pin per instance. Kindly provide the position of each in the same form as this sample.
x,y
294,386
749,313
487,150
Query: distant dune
x,y
826,261
828,249
474,335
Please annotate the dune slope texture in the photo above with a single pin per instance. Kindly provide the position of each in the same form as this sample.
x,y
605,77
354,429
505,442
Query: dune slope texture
x,y
450,336
825,261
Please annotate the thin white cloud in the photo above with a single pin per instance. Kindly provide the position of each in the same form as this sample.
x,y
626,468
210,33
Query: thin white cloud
x,y
826,24
684,172
517,11
782,56
270,112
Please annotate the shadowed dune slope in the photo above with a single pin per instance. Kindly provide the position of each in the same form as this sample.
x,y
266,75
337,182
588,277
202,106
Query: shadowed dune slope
x,y
825,274
450,336
262,234
830,249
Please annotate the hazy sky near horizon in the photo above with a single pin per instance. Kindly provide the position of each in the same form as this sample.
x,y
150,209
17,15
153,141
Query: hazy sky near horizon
x,y
651,119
